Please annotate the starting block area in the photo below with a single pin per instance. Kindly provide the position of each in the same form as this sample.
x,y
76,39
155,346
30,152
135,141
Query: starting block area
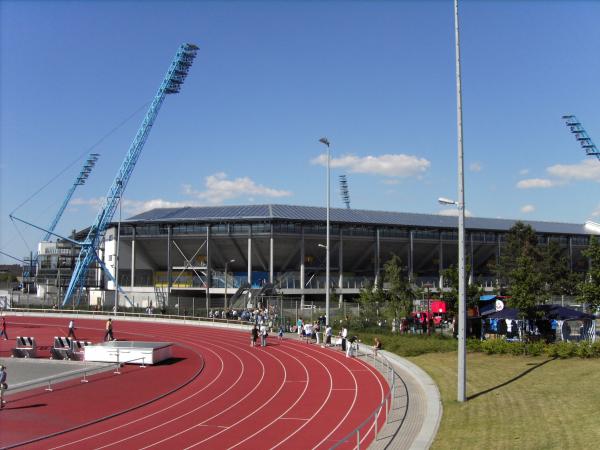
x,y
131,352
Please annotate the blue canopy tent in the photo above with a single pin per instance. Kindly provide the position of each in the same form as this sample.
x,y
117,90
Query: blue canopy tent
x,y
563,315
556,316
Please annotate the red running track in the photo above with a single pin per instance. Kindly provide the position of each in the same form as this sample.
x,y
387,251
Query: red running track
x,y
217,392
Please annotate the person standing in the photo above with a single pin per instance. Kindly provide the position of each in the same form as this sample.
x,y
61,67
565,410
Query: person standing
x,y
376,346
317,329
3,332
3,385
109,330
72,329
328,335
344,335
308,331
254,336
263,335
280,334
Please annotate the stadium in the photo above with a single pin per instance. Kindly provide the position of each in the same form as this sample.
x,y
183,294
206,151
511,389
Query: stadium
x,y
213,253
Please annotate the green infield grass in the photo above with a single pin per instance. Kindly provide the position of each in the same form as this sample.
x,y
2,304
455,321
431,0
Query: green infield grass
x,y
517,402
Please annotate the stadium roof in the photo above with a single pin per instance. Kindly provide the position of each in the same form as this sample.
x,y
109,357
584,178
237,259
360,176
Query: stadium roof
x,y
254,213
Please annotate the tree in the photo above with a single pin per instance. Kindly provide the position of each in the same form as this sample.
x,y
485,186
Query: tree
x,y
558,276
369,299
400,294
589,289
521,269
451,298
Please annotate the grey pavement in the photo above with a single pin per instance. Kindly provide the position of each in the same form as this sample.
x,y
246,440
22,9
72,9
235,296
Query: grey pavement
x,y
30,373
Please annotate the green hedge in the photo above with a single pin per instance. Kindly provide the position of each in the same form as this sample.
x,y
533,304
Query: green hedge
x,y
583,349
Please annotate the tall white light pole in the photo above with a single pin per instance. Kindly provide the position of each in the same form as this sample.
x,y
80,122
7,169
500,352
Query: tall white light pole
x,y
462,304
324,140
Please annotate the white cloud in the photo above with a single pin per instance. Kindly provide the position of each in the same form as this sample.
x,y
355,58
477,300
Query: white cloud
x,y
523,172
139,206
588,169
527,208
453,212
398,165
131,206
219,189
475,167
532,183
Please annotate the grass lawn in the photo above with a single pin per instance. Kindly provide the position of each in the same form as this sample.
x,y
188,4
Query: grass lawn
x,y
517,402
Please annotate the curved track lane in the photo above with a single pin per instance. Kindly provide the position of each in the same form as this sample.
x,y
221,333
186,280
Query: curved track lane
x,y
287,395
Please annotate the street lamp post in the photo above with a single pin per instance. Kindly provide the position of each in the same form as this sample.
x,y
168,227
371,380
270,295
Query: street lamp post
x,y
462,304
324,140
226,264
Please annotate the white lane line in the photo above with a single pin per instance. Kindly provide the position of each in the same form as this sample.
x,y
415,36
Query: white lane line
x,y
324,402
340,361
289,408
110,430
248,394
199,407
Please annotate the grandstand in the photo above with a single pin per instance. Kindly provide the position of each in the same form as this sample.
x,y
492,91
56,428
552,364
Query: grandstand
x,y
212,252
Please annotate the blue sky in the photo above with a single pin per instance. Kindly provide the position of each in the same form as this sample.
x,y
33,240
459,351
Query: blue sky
x,y
377,78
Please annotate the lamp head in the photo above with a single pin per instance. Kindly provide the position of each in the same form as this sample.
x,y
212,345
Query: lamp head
x,y
446,201
324,140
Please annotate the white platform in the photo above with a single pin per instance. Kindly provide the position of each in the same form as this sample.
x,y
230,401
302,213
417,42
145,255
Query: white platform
x,y
132,352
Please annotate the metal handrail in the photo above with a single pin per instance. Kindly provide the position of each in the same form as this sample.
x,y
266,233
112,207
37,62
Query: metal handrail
x,y
84,312
385,405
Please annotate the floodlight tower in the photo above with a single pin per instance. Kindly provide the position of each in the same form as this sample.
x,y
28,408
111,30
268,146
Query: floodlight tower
x,y
581,135
79,181
171,84
344,190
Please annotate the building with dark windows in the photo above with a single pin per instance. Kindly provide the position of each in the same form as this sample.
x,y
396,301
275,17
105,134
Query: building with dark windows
x,y
211,253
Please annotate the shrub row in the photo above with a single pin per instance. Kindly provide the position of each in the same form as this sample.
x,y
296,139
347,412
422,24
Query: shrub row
x,y
583,349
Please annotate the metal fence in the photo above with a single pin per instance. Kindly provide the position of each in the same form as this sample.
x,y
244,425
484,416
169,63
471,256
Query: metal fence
x,y
381,415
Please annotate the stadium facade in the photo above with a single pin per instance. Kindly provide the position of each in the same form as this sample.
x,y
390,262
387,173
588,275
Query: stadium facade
x,y
216,252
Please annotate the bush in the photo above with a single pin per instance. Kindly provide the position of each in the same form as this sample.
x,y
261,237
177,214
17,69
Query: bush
x,y
582,349
474,345
409,344
535,349
564,349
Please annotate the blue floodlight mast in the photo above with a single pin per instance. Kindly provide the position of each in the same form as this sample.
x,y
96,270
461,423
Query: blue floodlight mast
x,y
171,85
581,135
79,181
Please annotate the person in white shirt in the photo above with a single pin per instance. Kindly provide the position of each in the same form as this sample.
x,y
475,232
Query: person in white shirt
x,y
72,329
328,335
3,385
308,331
263,335
344,335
